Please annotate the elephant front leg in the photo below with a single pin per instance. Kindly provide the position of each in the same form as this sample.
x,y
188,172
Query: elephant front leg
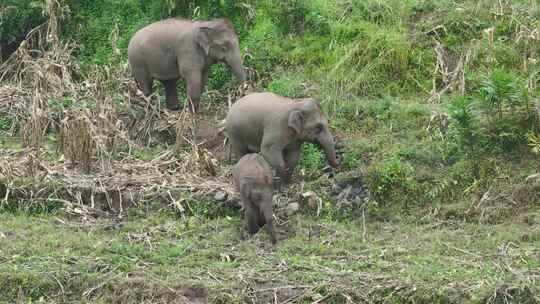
x,y
268,217
252,216
204,77
194,90
171,94
291,159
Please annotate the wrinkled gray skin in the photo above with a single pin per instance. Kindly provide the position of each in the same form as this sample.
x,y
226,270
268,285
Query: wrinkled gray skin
x,y
171,49
277,126
253,179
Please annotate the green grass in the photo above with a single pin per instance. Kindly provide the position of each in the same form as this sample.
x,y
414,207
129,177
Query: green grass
x,y
42,254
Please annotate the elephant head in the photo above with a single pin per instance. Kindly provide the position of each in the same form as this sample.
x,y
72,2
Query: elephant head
x,y
308,123
219,42
258,193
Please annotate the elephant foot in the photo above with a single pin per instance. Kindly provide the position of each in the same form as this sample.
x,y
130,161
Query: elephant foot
x,y
174,108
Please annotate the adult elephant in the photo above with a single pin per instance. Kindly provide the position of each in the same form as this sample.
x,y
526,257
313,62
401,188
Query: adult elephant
x,y
277,126
177,48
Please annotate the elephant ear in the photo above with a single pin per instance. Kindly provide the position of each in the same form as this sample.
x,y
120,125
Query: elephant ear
x,y
296,121
202,38
246,183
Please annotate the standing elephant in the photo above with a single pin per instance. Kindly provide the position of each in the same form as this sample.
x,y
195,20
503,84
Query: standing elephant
x,y
277,126
176,48
253,179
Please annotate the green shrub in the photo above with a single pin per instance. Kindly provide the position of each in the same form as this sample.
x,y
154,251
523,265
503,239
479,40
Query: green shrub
x,y
5,124
220,77
355,151
499,91
312,159
392,180
296,16
95,31
505,96
287,84
470,137
31,207
17,18
205,208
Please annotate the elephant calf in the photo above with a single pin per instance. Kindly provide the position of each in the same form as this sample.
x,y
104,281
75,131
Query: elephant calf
x,y
277,126
253,179
174,48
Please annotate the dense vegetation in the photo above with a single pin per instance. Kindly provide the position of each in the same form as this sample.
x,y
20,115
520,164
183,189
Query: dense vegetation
x,y
438,102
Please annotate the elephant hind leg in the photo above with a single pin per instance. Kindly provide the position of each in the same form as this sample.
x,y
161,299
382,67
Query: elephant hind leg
x,y
171,94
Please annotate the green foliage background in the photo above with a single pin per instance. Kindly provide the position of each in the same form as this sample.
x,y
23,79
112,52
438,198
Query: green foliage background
x,y
372,64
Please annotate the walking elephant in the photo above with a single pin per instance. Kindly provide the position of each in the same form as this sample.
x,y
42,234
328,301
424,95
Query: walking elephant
x,y
177,48
277,126
253,179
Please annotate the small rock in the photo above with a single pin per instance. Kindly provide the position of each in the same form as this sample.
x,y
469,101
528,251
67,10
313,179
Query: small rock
x,y
220,196
310,199
292,208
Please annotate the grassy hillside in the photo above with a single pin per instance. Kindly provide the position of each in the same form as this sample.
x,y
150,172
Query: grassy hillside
x,y
382,69
437,101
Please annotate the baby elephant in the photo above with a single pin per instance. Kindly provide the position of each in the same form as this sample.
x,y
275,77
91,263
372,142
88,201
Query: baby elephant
x,y
253,179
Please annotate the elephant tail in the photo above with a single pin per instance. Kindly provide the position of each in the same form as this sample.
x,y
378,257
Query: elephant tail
x,y
229,156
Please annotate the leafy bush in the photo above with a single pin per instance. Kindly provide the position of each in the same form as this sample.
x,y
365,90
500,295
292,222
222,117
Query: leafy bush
x,y
312,159
287,84
509,113
392,179
17,18
96,31
500,92
470,137
5,124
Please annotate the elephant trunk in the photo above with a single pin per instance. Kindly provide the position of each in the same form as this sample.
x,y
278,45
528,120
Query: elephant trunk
x,y
326,141
236,64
